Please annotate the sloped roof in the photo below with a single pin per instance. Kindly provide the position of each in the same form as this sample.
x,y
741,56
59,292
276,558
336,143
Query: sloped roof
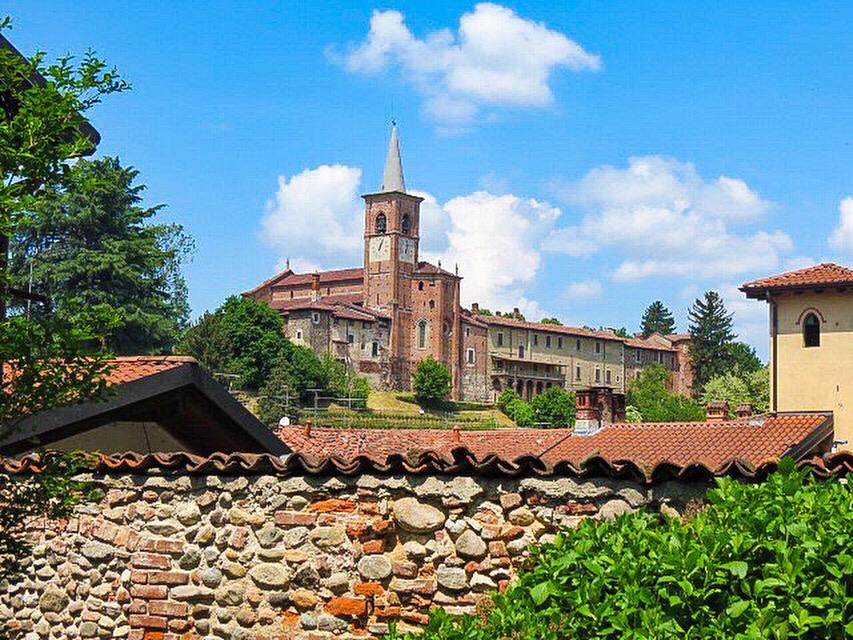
x,y
429,269
172,390
712,445
550,328
819,276
655,341
288,278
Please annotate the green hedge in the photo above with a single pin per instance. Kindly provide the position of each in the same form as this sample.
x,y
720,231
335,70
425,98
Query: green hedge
x,y
770,560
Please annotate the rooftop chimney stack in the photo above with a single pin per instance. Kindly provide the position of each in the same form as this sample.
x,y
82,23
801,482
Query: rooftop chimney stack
x,y
587,413
475,308
744,410
516,312
717,411
315,286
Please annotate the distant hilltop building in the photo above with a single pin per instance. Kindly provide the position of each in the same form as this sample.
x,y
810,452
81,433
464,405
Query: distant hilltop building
x,y
386,316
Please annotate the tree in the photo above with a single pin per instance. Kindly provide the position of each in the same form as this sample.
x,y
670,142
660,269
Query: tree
x,y
711,331
431,382
249,340
505,400
288,385
657,319
551,321
651,399
343,382
61,360
743,357
736,387
554,408
90,243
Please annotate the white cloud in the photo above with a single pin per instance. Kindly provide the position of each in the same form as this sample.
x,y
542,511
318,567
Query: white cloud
x,y
494,240
659,217
584,290
841,238
495,58
317,209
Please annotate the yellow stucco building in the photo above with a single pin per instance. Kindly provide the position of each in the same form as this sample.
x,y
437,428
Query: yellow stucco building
x,y
811,342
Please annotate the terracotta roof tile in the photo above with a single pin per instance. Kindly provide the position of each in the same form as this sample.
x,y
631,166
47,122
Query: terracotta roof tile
x,y
130,368
821,275
550,328
712,445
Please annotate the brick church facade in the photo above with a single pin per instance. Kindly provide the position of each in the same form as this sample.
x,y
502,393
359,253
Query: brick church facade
x,y
385,317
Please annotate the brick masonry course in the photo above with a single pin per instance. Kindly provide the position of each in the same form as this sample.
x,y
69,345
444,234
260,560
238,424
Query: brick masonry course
x,y
261,557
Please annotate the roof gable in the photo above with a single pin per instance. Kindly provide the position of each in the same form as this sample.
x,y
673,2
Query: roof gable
x,y
819,276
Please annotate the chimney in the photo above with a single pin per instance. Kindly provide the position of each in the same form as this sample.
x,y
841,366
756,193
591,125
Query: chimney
x,y
475,308
717,411
516,312
744,410
315,286
457,436
587,413
498,313
307,431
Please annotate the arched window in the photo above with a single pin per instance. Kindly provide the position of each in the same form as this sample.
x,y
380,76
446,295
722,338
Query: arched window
x,y
420,286
406,224
422,334
381,223
811,330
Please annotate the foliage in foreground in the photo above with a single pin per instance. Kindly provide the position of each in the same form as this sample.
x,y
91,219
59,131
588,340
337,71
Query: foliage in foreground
x,y
649,399
770,560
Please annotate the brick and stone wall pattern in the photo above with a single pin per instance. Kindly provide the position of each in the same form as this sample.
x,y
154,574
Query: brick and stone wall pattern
x,y
262,557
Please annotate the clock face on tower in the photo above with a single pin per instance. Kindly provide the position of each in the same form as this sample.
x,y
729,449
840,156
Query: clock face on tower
x,y
380,249
407,250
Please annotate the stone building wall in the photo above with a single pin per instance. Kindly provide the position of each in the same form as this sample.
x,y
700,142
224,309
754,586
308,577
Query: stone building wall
x,y
475,384
264,557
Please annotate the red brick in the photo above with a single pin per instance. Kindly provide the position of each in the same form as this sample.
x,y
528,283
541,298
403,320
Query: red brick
x,y
147,622
347,606
333,505
387,612
368,589
105,531
148,591
139,577
150,560
239,537
168,577
511,532
137,606
373,546
295,518
168,609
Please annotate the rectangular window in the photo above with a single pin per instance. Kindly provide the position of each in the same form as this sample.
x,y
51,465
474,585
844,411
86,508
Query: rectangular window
x,y
350,338
521,351
548,341
577,345
637,356
607,376
469,356
577,373
467,332
500,339
315,318
597,374
375,349
598,347
660,358
560,342
299,334
535,340
422,334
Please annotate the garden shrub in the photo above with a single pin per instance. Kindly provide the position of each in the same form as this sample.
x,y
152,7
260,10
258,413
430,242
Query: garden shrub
x,y
771,560
431,382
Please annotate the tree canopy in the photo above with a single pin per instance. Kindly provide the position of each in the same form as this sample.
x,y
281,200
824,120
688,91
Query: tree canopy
x,y
653,402
657,319
711,331
89,243
431,382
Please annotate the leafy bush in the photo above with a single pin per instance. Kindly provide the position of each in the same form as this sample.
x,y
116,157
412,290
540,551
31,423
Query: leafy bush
x,y
521,413
554,408
739,386
769,560
344,382
650,397
505,400
632,414
431,381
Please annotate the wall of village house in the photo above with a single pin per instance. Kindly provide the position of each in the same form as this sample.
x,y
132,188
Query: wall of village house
x,y
304,291
341,337
308,558
636,359
433,302
576,356
475,383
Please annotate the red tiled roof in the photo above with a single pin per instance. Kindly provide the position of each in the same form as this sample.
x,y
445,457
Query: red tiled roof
x,y
550,328
711,445
427,268
659,344
130,368
288,278
821,275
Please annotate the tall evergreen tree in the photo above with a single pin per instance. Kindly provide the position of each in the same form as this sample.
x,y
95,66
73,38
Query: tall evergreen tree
x,y
657,318
711,330
91,244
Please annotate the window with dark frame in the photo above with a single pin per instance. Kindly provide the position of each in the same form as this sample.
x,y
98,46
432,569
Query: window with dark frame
x,y
811,331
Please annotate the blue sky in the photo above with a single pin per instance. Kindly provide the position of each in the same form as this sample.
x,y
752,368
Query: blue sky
x,y
579,159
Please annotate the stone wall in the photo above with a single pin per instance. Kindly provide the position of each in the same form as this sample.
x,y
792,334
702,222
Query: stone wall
x,y
169,557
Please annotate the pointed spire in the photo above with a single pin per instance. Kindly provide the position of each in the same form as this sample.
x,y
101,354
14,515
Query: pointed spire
x,y
392,178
